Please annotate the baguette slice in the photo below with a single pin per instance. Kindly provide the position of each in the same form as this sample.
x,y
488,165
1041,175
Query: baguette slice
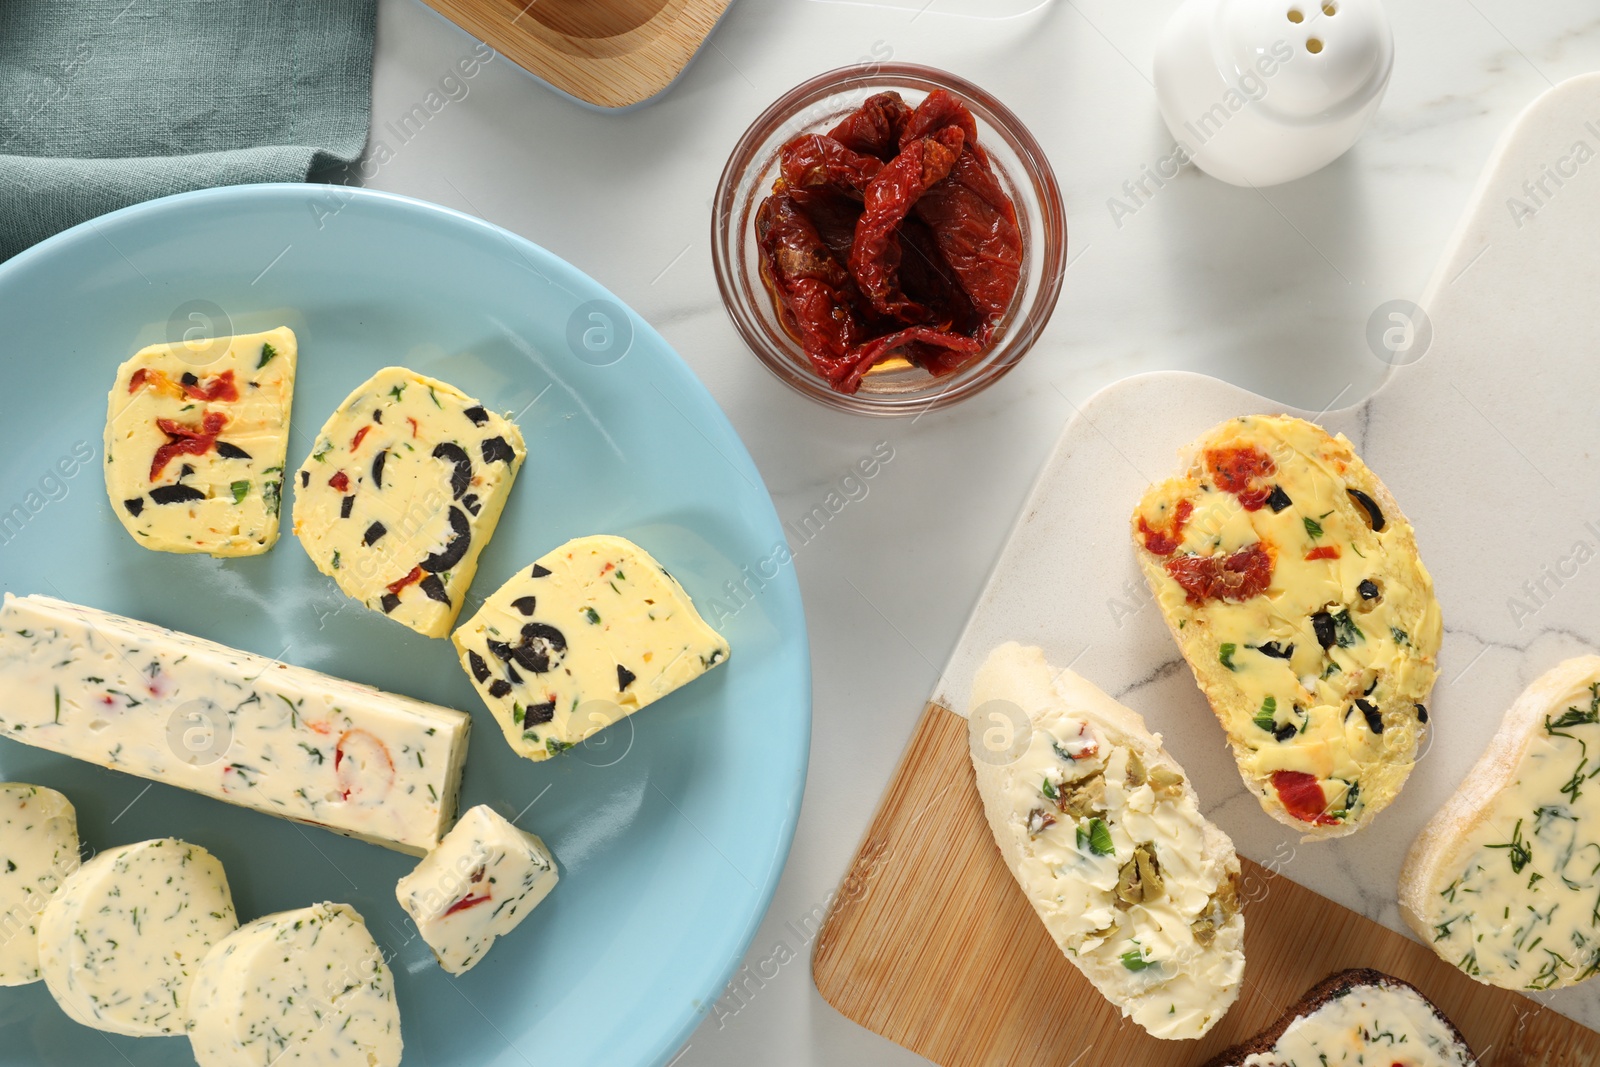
x,y
1356,1017
1291,582
1502,882
1104,834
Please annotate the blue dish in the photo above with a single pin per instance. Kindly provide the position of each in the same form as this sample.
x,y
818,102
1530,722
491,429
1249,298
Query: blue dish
x,y
670,828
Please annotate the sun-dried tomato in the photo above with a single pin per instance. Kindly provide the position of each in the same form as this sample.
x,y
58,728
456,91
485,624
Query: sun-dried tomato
x,y
1324,552
1161,542
1302,797
861,270
874,128
1237,576
186,440
1237,468
817,161
220,387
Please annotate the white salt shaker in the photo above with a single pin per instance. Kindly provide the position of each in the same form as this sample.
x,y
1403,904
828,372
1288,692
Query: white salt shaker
x,y
1258,92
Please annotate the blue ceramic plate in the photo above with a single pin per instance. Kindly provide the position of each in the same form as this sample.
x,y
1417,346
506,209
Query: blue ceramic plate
x,y
670,827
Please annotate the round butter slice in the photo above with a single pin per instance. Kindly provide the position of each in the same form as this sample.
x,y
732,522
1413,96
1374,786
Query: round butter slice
x,y
307,988
120,942
38,849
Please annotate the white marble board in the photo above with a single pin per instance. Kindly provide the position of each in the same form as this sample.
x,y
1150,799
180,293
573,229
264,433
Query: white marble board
x,y
1488,441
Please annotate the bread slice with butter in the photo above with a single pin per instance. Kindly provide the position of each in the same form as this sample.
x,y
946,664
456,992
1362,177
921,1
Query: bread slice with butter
x,y
1356,1017
1503,881
1104,834
1291,581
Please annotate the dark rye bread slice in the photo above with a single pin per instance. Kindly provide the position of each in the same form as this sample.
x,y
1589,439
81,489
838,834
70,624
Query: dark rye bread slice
x,y
1330,988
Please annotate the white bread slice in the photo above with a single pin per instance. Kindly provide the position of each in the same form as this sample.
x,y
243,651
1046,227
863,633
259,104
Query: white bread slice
x,y
1291,581
1504,882
1137,888
1356,1017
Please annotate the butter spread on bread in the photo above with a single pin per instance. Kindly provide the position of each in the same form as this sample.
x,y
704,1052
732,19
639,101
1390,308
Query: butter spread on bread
x,y
1504,882
1104,834
1293,586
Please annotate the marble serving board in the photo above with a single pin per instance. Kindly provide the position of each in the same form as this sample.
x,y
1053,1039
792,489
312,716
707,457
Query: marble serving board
x,y
1484,430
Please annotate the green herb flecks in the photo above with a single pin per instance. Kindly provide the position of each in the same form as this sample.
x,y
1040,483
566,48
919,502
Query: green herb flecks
x,y
1267,718
268,354
1100,842
592,615
1225,655
241,489
1313,527
1521,853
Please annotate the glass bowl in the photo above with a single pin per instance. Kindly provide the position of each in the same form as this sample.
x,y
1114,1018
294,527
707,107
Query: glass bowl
x,y
895,387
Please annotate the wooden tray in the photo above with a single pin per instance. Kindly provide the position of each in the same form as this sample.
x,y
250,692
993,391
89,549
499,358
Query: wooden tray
x,y
931,944
610,53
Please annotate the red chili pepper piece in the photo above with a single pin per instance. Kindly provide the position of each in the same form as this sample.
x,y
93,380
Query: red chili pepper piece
x,y
340,481
874,128
1165,542
1324,552
813,161
1237,576
1302,797
184,440
355,442
415,575
875,255
468,901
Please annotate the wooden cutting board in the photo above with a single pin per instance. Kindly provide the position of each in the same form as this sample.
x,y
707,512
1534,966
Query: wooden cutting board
x,y
610,53
930,942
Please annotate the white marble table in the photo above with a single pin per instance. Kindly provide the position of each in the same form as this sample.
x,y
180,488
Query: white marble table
x,y
1271,291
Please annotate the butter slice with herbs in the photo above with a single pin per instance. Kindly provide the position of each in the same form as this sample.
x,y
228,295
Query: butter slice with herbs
x,y
306,987
589,634
38,850
1321,676
485,877
401,493
230,725
122,939
196,434
1103,832
1504,881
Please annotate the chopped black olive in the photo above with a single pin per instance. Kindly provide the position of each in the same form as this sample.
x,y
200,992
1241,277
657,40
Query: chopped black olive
x,y
477,415
175,494
480,669
455,549
1277,500
499,649
470,502
625,678
499,687
185,472
495,448
1322,625
538,571
1368,589
1370,687
434,589
377,415
541,648
539,713
1370,506
374,532
390,602
377,467
227,451
461,476
135,505
511,673
525,604
1422,713
305,479
1284,732
345,505
188,378
1374,720
1275,650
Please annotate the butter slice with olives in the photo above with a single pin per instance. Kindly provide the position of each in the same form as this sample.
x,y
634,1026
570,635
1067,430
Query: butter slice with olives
x,y
589,634
196,434
401,493
1502,881
1293,586
38,850
1103,832
485,877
